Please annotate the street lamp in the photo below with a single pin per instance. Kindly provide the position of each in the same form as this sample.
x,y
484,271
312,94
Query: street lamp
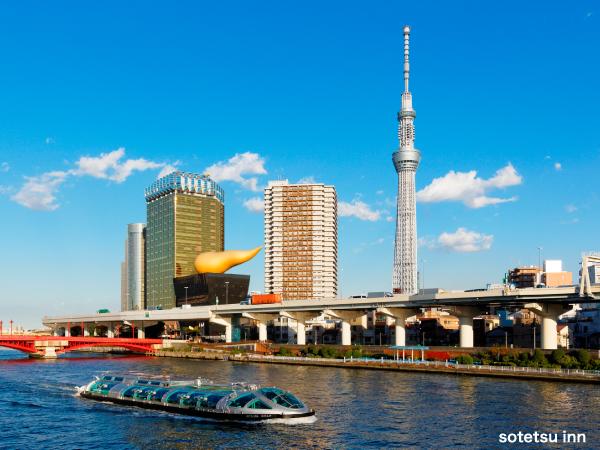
x,y
186,288
227,292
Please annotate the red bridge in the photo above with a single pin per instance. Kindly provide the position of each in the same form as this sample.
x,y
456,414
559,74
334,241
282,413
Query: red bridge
x,y
52,346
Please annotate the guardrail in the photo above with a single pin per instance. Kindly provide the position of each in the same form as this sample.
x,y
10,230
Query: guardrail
x,y
445,364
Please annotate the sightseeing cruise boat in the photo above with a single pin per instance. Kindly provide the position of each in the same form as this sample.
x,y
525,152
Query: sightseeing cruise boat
x,y
201,398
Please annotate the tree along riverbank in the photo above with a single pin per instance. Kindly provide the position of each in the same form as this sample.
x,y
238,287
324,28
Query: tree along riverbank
x,y
440,367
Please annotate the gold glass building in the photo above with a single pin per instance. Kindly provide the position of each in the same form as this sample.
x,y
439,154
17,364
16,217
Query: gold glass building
x,y
185,216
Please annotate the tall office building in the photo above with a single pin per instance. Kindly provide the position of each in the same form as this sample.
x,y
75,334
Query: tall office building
x,y
136,268
406,160
133,268
185,216
300,240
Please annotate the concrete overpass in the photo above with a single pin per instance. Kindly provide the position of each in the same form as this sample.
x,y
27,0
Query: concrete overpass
x,y
548,303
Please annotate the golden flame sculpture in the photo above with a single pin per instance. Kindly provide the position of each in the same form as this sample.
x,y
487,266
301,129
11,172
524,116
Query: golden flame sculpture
x,y
220,262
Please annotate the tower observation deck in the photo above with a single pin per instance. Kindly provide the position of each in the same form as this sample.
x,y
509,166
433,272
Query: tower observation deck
x,y
406,160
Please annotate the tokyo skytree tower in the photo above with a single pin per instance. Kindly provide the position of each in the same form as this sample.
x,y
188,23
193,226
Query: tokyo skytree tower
x,y
406,160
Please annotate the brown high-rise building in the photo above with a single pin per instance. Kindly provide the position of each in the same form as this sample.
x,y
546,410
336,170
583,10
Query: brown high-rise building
x,y
300,240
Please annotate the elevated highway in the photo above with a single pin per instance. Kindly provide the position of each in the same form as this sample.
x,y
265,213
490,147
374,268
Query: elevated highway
x,y
548,303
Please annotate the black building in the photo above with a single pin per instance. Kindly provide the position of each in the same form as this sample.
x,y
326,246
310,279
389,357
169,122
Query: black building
x,y
205,288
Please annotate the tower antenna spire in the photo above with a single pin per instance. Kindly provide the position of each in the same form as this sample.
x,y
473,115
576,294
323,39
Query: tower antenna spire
x,y
406,53
406,160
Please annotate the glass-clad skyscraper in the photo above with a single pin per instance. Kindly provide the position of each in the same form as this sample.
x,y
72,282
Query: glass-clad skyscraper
x,y
185,216
135,265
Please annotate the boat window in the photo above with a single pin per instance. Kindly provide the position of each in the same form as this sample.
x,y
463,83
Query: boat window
x,y
158,394
107,378
142,393
155,383
118,378
257,404
292,400
283,398
130,391
175,397
142,382
240,401
193,398
210,401
102,386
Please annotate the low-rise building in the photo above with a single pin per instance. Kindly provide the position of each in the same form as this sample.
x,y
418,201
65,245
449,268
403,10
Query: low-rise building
x,y
525,277
554,275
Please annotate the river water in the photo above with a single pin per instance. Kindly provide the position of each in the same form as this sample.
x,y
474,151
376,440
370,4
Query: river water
x,y
355,408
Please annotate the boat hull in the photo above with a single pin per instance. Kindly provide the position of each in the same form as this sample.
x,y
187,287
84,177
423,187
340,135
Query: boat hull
x,y
206,414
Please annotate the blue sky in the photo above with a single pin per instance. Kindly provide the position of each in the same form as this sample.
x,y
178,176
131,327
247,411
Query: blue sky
x,y
297,91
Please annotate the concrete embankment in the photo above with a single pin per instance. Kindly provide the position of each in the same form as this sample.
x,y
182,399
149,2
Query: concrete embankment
x,y
524,373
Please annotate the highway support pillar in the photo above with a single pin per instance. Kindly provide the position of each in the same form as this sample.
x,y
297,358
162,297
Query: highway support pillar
x,y
400,315
262,331
110,331
346,317
261,319
549,313
225,322
465,316
301,318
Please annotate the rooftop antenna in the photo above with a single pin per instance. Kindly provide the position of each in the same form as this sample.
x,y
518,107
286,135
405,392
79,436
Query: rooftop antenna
x,y
406,52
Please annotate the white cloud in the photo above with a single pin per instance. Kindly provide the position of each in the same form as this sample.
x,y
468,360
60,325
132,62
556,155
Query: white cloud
x,y
570,208
110,167
379,192
389,219
251,184
49,140
307,180
5,189
255,204
358,209
470,189
572,221
465,241
236,167
167,169
557,166
4,167
39,192
365,245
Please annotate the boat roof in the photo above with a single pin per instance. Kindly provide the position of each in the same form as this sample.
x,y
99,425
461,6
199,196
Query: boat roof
x,y
197,384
